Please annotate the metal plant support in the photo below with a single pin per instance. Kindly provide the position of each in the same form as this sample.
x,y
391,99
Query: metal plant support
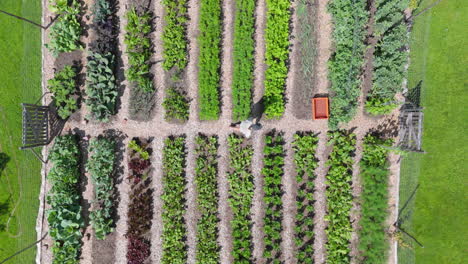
x,y
35,127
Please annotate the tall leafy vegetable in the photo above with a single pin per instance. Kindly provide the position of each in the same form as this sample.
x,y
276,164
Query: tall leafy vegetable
x,y
209,59
243,59
176,105
174,185
64,88
100,166
65,32
276,56
349,21
304,146
64,216
174,34
339,196
273,163
373,242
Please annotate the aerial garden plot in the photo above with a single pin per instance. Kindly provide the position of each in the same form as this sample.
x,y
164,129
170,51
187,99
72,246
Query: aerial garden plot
x,y
223,131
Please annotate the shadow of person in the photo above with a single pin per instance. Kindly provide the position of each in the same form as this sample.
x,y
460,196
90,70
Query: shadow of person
x,y
257,111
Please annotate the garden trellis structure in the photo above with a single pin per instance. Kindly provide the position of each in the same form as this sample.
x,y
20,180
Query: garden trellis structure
x,y
411,126
35,127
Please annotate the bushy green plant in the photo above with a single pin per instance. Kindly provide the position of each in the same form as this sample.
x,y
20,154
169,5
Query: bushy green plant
x,y
373,242
63,86
241,192
144,154
174,34
64,216
273,162
174,184
276,56
243,59
349,20
376,105
139,48
176,105
206,172
339,196
304,146
100,166
66,31
209,59
101,87
102,9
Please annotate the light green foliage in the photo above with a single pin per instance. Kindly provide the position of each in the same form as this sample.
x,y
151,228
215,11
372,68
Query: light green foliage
x,y
273,162
101,87
243,59
339,196
373,242
206,172
304,146
349,20
174,185
136,147
66,31
174,39
176,105
64,88
64,216
241,192
100,166
209,60
276,56
139,49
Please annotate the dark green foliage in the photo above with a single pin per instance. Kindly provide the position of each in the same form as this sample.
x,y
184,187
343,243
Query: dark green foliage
x,y
304,146
209,60
65,32
64,216
100,166
64,88
273,162
241,192
174,34
373,242
243,59
176,105
349,21
174,184
339,196
206,172
102,9
276,56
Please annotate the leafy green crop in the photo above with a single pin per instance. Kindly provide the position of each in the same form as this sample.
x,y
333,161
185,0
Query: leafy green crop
x,y
64,88
349,20
176,105
133,145
243,59
206,172
304,146
100,166
139,49
373,242
64,216
101,87
209,60
66,31
273,162
174,39
276,56
339,196
241,192
174,184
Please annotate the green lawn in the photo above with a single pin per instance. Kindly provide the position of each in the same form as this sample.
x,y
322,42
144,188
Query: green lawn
x,y
437,216
20,81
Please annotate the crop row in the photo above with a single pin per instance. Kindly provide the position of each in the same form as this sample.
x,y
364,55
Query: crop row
x,y
390,56
140,208
273,162
339,196
304,146
173,36
64,89
209,61
65,32
349,21
241,192
206,172
373,242
64,217
174,184
276,56
243,59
